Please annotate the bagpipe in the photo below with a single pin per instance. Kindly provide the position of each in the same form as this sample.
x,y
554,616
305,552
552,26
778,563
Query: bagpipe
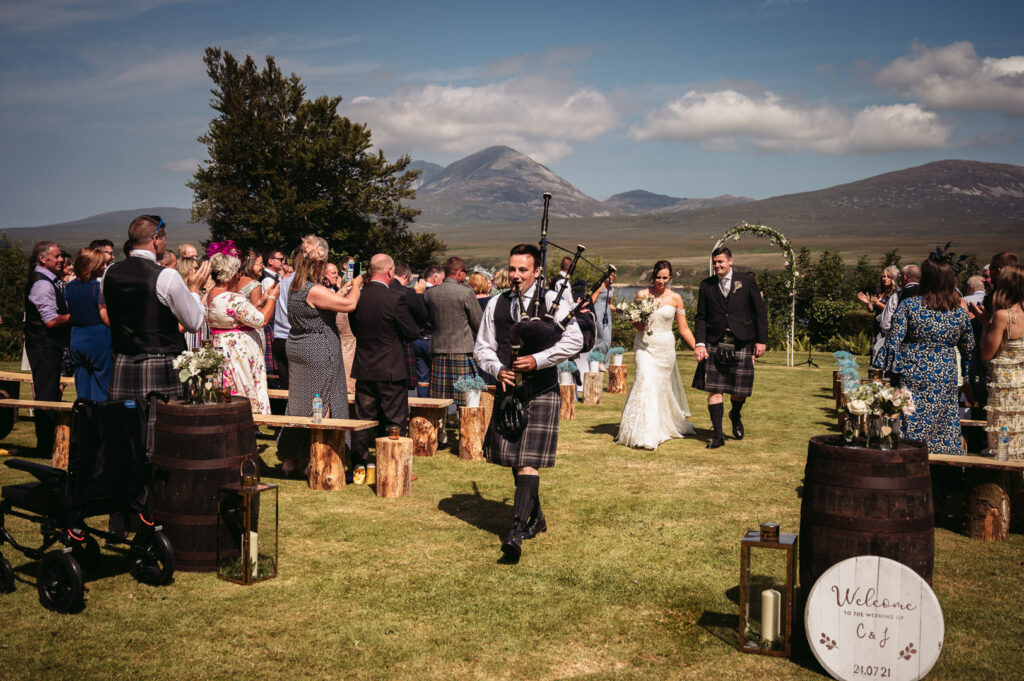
x,y
533,332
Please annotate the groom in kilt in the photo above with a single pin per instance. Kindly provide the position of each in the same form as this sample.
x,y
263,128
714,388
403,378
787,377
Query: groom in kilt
x,y
525,453
731,329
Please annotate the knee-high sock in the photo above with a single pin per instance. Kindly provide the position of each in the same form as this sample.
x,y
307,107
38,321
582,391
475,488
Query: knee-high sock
x,y
736,408
526,494
716,411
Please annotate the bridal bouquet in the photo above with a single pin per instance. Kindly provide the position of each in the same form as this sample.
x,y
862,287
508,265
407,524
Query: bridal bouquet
x,y
639,310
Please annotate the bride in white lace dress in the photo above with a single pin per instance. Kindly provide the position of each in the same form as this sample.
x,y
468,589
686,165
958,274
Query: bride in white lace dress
x,y
656,407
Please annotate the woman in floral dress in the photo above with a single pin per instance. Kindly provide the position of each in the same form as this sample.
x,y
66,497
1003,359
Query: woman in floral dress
x,y
1002,346
921,348
232,319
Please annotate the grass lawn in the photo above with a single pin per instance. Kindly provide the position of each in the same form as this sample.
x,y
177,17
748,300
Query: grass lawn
x,y
636,577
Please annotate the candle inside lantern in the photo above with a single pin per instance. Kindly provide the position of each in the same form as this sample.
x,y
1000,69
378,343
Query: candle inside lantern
x,y
254,553
771,614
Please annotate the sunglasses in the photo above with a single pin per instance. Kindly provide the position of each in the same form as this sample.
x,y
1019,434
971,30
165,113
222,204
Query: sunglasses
x,y
160,227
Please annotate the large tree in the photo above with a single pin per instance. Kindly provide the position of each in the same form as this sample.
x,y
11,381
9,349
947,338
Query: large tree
x,y
281,166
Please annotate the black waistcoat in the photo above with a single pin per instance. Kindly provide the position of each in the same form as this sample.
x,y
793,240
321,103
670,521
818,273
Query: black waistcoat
x,y
139,323
539,381
36,333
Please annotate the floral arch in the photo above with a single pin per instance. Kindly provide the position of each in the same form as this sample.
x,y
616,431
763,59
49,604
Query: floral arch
x,y
780,241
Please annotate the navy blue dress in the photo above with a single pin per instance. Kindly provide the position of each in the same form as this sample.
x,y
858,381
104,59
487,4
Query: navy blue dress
x,y
91,355
921,347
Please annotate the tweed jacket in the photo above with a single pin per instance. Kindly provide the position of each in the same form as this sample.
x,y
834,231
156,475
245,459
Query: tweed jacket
x,y
455,317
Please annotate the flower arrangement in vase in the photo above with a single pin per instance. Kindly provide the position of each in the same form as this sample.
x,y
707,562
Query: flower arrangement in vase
x,y
876,409
471,387
200,371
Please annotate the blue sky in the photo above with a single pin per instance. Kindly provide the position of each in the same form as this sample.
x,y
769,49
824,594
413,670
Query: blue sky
x,y
101,101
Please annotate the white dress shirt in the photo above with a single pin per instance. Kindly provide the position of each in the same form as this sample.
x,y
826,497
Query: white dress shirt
x,y
569,345
172,291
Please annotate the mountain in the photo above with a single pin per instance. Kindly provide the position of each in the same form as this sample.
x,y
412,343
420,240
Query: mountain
x,y
427,170
114,226
639,202
498,184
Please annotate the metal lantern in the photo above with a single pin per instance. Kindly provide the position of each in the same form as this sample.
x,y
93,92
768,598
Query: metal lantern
x,y
247,529
766,600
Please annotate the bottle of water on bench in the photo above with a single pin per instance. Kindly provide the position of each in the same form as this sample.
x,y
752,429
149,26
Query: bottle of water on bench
x,y
1003,450
318,409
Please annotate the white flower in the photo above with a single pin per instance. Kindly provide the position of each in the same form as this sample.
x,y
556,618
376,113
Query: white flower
x,y
857,407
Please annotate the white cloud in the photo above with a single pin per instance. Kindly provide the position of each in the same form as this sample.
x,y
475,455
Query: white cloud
x,y
185,165
721,120
41,15
536,115
955,78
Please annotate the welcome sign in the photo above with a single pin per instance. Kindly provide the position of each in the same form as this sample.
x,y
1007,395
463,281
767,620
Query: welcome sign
x,y
874,618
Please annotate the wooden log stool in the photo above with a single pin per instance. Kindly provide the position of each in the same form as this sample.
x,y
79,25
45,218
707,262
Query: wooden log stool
x,y
423,435
394,467
987,513
568,409
617,378
487,402
472,428
61,439
592,384
326,459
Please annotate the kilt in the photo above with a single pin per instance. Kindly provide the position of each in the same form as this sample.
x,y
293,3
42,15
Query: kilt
x,y
738,380
445,370
539,442
133,380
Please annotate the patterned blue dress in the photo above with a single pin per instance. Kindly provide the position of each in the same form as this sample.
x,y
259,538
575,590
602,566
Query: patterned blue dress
x,y
921,347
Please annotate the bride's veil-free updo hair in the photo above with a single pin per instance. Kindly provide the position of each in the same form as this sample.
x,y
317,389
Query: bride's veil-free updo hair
x,y
224,267
310,262
659,266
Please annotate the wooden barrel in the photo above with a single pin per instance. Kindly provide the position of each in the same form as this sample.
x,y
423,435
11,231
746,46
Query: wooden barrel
x,y
197,449
860,501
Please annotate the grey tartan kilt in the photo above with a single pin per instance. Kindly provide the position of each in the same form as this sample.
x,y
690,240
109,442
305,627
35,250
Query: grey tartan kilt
x,y
738,380
539,442
133,380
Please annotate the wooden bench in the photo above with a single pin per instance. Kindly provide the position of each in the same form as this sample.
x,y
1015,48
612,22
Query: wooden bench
x,y
61,428
327,453
24,377
990,484
433,409
326,449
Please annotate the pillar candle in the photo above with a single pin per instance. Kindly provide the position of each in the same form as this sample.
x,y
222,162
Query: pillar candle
x,y
771,612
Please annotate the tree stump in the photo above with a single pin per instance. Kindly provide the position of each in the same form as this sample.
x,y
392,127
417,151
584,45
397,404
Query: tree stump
x,y
568,408
327,459
394,467
472,428
592,384
424,436
617,378
61,438
487,402
987,513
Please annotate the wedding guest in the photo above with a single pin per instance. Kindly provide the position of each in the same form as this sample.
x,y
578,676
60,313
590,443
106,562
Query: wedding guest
x,y
1002,346
90,326
315,365
250,282
603,309
876,305
188,251
169,260
47,333
187,265
331,278
500,282
975,290
432,276
454,319
481,286
920,350
105,245
145,303
235,324
274,266
417,308
911,278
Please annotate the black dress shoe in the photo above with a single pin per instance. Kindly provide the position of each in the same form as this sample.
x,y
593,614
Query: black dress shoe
x,y
716,442
512,547
535,527
737,426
